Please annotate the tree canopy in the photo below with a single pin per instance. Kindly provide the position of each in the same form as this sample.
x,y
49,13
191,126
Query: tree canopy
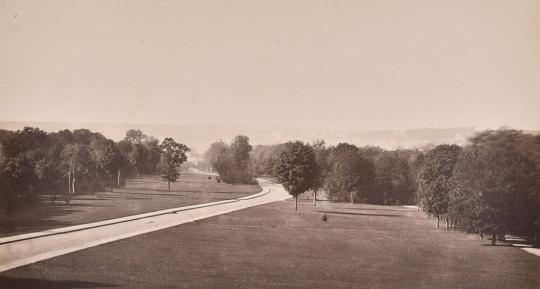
x,y
296,168
173,155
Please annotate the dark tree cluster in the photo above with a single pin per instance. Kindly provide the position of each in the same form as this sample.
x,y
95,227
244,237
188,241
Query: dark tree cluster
x,y
348,173
34,163
141,151
232,161
491,186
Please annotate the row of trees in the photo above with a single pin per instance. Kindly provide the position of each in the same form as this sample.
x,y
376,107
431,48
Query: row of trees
x,y
491,186
345,172
33,162
348,173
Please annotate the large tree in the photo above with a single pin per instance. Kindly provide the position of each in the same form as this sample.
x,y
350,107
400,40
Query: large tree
x,y
296,168
321,169
349,173
232,162
435,180
108,160
173,155
495,186
394,178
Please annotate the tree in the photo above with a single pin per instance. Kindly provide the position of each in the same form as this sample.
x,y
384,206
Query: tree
x,y
108,160
239,155
349,173
232,162
79,165
135,136
296,168
321,169
142,152
435,180
496,185
153,155
263,158
173,154
394,178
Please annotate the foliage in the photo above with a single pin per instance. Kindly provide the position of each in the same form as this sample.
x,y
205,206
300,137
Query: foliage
x,y
394,178
232,162
173,155
296,168
33,162
435,179
264,157
349,173
496,185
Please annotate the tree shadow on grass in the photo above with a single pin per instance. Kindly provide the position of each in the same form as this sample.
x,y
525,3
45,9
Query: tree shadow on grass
x,y
171,194
15,227
389,210
360,214
498,244
38,218
30,283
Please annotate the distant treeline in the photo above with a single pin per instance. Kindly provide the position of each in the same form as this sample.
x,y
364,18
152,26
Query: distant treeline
x,y
34,162
490,186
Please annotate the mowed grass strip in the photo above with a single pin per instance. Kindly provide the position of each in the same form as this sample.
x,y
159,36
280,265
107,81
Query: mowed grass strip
x,y
271,246
147,194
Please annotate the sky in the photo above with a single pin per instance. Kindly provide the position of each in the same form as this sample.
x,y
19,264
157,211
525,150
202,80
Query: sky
x,y
324,64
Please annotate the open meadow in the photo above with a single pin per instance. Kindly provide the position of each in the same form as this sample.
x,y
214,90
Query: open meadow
x,y
147,194
272,246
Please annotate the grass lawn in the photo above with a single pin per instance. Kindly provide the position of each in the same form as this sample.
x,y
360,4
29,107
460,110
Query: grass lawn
x,y
272,246
138,196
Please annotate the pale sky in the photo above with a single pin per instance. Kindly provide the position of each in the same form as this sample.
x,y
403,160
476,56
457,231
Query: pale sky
x,y
328,64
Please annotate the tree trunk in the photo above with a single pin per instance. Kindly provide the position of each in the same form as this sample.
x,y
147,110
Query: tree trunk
x,y
296,203
118,178
71,175
69,181
97,177
314,198
73,185
352,200
437,222
493,239
447,225
169,185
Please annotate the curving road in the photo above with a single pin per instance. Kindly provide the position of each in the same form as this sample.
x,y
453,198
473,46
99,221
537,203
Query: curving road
x,y
25,249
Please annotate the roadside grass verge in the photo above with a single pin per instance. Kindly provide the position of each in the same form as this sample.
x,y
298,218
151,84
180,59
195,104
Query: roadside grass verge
x,y
272,246
147,194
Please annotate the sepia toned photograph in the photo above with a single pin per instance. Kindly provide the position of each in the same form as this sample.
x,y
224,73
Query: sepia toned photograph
x,y
257,144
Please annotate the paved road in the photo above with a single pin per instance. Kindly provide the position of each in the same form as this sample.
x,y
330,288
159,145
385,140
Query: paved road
x,y
29,248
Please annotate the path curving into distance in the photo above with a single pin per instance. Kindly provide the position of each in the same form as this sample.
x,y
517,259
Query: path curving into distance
x,y
20,250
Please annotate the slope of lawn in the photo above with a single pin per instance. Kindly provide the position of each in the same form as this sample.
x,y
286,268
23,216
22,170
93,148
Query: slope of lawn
x,y
272,246
147,194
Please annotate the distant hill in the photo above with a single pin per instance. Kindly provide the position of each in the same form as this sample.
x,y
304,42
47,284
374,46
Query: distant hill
x,y
200,136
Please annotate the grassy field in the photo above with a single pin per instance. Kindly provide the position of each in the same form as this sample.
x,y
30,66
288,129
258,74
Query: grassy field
x,y
142,195
271,246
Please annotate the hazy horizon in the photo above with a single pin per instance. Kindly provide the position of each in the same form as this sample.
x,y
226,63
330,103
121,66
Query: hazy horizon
x,y
351,65
200,136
